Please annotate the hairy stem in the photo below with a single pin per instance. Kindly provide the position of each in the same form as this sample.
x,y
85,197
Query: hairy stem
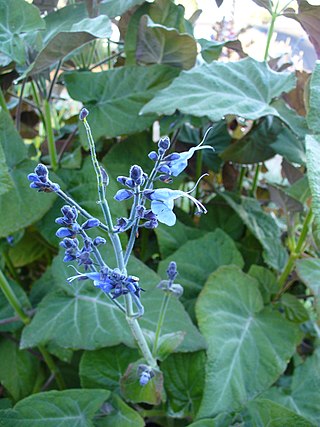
x,y
163,309
274,16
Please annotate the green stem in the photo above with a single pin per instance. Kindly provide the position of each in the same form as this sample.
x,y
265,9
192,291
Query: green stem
x,y
243,171
274,16
10,266
109,55
3,103
50,136
199,158
141,341
255,181
12,299
161,318
16,305
294,254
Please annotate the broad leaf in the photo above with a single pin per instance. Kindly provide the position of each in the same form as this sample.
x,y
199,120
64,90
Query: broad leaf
x,y
14,149
313,116
302,396
313,154
263,412
293,309
161,45
244,88
309,17
79,316
267,4
262,226
172,238
17,17
211,49
198,258
56,408
119,414
65,42
18,370
5,180
268,284
105,94
255,341
184,381
27,250
103,368
309,271
168,14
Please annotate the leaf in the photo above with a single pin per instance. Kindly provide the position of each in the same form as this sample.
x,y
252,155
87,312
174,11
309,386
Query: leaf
x,y
263,412
184,381
197,259
103,368
309,271
268,284
131,389
27,250
244,88
313,116
313,154
114,8
168,14
56,408
309,17
119,414
267,4
262,226
171,239
17,17
255,341
299,190
293,309
65,42
18,370
168,343
13,147
79,316
220,215
105,94
302,396
5,179
161,45
212,49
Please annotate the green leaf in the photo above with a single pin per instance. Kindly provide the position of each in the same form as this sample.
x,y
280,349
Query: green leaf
x,y
293,309
268,284
18,370
106,93
221,215
172,238
302,396
197,259
309,271
161,45
65,42
114,8
79,316
103,368
184,382
313,154
5,179
14,149
119,414
256,341
299,190
263,412
244,88
27,250
212,49
17,17
313,116
56,408
151,393
168,14
168,343
262,226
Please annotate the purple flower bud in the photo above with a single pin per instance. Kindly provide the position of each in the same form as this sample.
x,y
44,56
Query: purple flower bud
x,y
105,176
151,224
136,172
172,271
164,143
90,223
121,225
83,114
69,257
148,194
153,156
99,241
149,215
42,171
122,179
166,178
64,232
76,227
33,177
123,195
140,211
171,157
68,243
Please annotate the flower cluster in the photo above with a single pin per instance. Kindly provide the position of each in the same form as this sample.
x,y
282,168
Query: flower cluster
x,y
39,180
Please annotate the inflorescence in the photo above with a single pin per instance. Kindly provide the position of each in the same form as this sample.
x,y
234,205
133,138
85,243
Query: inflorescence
x,y
149,207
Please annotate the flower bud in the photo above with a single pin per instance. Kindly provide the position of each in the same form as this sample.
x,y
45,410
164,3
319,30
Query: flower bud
x,y
123,195
83,114
153,156
99,241
90,223
164,143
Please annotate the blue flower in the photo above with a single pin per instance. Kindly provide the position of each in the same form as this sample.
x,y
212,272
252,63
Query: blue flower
x,y
70,215
122,225
90,223
177,162
99,241
123,195
162,203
